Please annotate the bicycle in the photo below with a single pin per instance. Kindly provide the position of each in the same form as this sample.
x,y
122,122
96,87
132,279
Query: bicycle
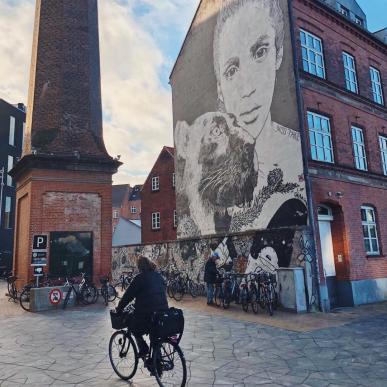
x,y
107,291
165,359
125,280
86,294
268,297
231,290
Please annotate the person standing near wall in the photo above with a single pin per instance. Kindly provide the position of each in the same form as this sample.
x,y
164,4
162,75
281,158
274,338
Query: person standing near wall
x,y
210,276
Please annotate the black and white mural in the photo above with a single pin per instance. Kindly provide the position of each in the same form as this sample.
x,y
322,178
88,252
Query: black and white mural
x,y
239,164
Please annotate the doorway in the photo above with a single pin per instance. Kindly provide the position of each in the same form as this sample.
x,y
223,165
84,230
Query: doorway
x,y
325,218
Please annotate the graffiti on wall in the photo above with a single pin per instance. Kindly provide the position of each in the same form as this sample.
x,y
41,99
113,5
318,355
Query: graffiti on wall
x,y
238,169
265,250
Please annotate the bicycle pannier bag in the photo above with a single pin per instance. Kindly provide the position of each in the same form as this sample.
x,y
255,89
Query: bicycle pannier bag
x,y
168,323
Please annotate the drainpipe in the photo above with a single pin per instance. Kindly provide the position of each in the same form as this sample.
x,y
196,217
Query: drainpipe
x,y
304,147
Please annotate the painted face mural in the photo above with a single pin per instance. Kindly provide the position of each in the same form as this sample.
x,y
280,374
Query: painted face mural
x,y
239,166
247,66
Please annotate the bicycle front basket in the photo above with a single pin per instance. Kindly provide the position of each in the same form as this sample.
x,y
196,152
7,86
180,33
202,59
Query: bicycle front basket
x,y
119,320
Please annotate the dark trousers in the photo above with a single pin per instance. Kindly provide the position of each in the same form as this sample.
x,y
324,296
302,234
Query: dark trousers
x,y
139,325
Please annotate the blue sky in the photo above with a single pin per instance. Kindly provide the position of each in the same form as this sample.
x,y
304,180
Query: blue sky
x,y
140,40
376,11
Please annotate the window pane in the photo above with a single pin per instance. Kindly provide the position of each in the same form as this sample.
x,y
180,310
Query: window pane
x,y
367,245
374,244
363,215
373,231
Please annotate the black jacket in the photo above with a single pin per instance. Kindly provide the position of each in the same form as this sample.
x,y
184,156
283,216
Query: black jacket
x,y
210,272
149,290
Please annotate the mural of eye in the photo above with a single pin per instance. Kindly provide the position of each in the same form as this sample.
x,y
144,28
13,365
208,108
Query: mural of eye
x,y
230,72
261,53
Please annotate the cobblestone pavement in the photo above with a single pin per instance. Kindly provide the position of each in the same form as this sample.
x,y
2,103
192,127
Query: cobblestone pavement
x,y
69,348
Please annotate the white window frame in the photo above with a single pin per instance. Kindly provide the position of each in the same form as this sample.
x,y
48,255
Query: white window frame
x,y
9,167
7,212
133,209
12,124
312,53
383,152
156,223
115,214
350,72
359,151
376,86
320,138
173,180
174,218
155,183
369,223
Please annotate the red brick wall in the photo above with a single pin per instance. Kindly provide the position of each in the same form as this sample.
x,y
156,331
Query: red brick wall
x,y
330,98
126,211
53,208
163,201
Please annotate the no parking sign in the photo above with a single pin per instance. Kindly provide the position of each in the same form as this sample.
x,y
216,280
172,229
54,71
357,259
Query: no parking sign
x,y
55,296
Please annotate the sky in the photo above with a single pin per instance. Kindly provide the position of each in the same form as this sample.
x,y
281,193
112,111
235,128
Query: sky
x,y
139,42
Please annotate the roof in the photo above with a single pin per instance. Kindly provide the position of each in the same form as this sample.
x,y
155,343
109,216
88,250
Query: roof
x,y
135,194
126,233
119,193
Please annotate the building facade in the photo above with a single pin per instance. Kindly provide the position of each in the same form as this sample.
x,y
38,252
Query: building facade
x,y
133,210
120,195
158,200
280,132
343,73
12,120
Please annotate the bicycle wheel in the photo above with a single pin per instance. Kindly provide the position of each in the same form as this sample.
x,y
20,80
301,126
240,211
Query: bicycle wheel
x,y
269,300
226,298
193,289
123,355
169,365
112,293
25,299
89,294
177,291
254,302
245,300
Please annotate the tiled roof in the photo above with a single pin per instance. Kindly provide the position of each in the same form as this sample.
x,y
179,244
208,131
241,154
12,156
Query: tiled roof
x,y
118,194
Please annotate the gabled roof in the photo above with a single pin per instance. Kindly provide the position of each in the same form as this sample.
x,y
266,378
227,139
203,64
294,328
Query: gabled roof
x,y
165,150
119,193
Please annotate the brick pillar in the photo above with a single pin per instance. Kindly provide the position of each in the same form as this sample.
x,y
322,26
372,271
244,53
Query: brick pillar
x,y
65,175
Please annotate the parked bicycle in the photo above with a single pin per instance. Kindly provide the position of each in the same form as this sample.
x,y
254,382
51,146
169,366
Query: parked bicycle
x,y
125,279
107,290
165,359
85,292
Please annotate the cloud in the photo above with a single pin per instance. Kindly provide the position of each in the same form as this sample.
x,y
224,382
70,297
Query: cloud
x,y
139,42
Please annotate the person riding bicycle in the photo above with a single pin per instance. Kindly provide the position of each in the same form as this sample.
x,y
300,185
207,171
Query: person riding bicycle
x,y
148,289
211,275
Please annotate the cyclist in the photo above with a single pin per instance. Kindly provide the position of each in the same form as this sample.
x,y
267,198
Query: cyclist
x,y
148,289
210,276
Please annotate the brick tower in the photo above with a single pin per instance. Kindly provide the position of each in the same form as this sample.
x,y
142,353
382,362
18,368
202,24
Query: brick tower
x,y
64,177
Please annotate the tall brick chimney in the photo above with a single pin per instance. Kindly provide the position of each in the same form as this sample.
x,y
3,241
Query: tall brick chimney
x,y
65,174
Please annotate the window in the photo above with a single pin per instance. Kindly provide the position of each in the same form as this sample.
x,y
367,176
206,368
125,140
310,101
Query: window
x,y
320,137
173,179
350,72
358,20
359,149
376,83
115,214
312,54
155,220
7,212
10,166
370,233
12,131
383,152
343,10
155,183
174,218
133,209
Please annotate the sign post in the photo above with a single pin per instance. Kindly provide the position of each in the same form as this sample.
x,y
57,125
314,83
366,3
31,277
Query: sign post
x,y
39,255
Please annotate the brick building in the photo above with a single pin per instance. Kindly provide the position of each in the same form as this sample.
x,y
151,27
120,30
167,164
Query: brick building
x,y
63,180
133,211
120,195
158,200
12,119
342,78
